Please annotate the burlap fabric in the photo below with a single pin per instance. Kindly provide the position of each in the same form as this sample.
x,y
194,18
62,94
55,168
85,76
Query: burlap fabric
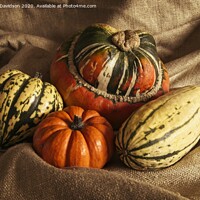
x,y
28,40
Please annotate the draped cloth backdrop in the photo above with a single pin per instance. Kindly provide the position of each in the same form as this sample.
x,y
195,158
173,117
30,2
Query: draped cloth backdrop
x,y
28,40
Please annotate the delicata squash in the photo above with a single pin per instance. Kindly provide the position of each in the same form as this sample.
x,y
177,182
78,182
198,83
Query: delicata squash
x,y
162,131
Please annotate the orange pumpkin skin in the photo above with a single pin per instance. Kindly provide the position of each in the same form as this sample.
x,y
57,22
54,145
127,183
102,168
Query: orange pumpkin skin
x,y
78,69
74,137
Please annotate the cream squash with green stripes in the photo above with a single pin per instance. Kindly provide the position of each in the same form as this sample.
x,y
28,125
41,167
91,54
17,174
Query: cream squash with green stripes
x,y
162,131
24,102
114,72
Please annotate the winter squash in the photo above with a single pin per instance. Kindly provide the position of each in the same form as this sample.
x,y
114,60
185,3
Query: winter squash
x,y
162,131
24,102
114,72
74,137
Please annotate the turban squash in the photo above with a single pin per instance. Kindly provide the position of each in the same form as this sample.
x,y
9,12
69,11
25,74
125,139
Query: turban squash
x,y
74,137
113,72
24,102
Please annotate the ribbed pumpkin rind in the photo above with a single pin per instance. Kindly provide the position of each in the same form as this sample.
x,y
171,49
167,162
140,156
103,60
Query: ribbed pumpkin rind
x,y
24,102
62,145
162,131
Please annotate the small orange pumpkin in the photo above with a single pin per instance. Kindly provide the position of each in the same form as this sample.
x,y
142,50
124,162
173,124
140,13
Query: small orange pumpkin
x,y
74,137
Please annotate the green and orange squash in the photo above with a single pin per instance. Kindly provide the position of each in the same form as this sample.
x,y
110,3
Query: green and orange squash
x,y
110,71
162,131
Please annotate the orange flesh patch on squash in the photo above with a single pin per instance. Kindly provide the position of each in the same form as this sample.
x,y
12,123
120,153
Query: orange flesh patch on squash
x,y
91,68
146,77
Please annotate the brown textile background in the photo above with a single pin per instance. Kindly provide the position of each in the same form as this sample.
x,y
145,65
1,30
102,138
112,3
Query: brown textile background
x,y
28,40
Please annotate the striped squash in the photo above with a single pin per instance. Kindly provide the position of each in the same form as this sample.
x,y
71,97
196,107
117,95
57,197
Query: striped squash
x,y
108,65
116,71
24,102
162,131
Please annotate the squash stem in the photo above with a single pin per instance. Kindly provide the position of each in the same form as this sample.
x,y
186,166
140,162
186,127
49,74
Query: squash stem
x,y
126,40
77,123
38,75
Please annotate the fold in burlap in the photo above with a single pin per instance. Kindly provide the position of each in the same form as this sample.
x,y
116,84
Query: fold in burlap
x,y
28,40
32,178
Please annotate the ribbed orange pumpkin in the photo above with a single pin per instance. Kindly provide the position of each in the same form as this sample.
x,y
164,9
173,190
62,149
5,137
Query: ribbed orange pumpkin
x,y
74,137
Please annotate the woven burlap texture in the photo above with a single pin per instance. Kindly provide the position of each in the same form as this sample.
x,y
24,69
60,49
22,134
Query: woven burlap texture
x,y
28,41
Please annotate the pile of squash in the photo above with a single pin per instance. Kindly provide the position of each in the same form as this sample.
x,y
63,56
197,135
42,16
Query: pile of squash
x,y
102,80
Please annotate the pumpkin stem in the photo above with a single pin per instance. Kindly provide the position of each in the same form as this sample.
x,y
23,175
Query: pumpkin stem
x,y
126,40
38,75
77,123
